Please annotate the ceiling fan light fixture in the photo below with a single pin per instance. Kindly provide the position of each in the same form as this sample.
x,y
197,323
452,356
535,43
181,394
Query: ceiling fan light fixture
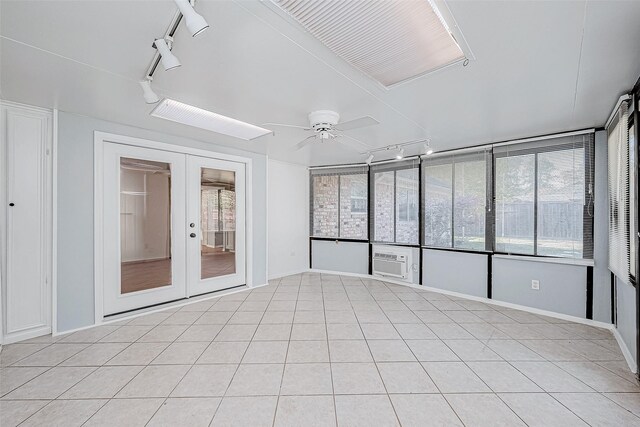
x,y
195,22
150,97
169,60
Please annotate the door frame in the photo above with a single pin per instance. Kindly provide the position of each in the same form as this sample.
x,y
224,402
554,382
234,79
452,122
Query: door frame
x,y
48,217
99,139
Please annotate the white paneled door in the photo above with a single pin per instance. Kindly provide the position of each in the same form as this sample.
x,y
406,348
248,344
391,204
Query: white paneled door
x,y
173,226
25,151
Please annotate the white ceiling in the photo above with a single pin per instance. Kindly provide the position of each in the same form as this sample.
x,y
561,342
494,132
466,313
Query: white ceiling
x,y
540,67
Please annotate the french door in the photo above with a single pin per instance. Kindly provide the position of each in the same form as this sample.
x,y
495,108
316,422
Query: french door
x,y
174,226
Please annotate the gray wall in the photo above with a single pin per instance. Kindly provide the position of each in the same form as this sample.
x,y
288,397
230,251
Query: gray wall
x,y
75,211
442,270
601,274
347,257
626,315
562,287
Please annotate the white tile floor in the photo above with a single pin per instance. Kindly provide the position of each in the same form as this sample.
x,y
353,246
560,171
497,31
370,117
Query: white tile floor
x,y
323,350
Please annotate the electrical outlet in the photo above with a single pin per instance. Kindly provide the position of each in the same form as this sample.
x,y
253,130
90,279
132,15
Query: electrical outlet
x,y
535,284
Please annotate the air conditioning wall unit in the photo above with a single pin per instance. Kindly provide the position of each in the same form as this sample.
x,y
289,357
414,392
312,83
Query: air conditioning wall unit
x,y
392,261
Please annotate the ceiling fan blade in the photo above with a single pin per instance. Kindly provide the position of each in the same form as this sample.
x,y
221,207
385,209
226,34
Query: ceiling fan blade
x,y
357,123
286,126
354,141
305,142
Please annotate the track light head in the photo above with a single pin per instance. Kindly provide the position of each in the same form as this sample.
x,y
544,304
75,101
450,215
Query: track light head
x,y
369,159
427,149
195,22
149,95
400,154
169,60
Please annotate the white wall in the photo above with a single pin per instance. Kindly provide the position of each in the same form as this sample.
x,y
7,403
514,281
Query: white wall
x,y
288,218
441,270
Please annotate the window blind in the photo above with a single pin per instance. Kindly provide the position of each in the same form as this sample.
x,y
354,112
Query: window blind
x,y
395,202
339,202
456,200
618,145
544,197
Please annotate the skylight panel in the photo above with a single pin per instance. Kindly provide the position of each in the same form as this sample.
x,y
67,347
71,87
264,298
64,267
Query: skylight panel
x,y
390,41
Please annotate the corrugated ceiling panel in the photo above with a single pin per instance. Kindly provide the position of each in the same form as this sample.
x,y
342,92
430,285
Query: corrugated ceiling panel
x,y
389,40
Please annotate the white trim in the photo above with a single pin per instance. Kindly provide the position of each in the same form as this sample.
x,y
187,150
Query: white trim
x,y
553,314
99,138
628,357
623,98
289,273
157,309
354,165
566,261
31,333
542,138
54,225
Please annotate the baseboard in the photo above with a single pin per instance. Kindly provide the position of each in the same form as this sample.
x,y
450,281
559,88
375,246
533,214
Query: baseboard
x,y
168,306
625,351
533,310
290,273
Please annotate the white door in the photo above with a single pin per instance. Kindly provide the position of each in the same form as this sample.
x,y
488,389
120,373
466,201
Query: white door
x,y
144,227
216,216
25,169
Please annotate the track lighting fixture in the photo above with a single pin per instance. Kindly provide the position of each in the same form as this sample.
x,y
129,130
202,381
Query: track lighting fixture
x,y
169,60
150,96
427,149
400,154
369,159
195,22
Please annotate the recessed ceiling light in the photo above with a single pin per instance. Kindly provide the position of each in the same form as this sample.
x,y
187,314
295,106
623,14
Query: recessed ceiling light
x,y
189,115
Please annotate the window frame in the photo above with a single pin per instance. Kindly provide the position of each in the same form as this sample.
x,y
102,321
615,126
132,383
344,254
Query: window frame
x,y
587,144
339,172
456,157
394,166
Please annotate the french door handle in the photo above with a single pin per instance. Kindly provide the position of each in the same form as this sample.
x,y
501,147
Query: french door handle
x,y
192,235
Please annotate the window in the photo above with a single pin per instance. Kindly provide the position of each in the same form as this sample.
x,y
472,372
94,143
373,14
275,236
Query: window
x,y
543,204
396,202
339,203
455,200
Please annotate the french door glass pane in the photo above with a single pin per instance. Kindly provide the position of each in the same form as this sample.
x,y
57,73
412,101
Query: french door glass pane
x,y
561,184
407,206
384,230
145,225
217,223
438,205
515,186
469,205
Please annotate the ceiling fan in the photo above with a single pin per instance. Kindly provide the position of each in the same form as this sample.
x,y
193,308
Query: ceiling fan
x,y
326,126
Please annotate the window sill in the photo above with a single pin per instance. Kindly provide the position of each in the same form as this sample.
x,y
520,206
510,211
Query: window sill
x,y
566,261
